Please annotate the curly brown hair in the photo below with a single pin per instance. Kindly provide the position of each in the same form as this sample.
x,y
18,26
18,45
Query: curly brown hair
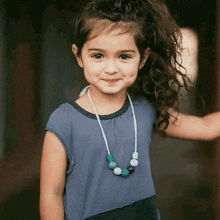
x,y
162,77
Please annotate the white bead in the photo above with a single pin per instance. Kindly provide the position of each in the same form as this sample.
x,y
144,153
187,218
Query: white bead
x,y
135,155
134,162
117,171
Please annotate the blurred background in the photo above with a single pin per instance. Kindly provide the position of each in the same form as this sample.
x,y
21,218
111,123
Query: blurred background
x,y
38,72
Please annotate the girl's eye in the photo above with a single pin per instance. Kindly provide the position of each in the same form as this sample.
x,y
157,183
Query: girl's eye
x,y
124,57
98,56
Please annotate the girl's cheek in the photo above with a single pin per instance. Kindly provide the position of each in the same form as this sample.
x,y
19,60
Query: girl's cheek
x,y
98,66
93,70
132,69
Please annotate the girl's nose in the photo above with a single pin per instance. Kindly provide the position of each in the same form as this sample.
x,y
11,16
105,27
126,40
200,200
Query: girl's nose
x,y
111,66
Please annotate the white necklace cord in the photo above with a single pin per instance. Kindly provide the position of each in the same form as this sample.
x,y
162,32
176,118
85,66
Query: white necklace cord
x,y
135,121
99,121
97,116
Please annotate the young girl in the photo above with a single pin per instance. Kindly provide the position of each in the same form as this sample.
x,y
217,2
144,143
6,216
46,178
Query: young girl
x,y
95,161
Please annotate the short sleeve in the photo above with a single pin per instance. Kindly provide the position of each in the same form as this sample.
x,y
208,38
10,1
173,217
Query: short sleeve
x,y
60,124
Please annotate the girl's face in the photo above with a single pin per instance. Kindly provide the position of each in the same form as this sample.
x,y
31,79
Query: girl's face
x,y
110,62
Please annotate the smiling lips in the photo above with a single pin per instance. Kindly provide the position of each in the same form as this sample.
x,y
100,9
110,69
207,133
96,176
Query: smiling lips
x,y
111,80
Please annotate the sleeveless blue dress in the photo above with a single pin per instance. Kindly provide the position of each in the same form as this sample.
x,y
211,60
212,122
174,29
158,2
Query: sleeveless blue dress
x,y
92,191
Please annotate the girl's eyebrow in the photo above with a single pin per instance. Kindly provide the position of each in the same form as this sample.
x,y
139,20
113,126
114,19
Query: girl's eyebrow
x,y
118,51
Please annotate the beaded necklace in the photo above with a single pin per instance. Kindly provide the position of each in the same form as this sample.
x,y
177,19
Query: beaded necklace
x,y
112,164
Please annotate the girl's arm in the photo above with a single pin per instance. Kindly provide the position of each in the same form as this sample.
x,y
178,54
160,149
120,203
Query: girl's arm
x,y
194,128
53,170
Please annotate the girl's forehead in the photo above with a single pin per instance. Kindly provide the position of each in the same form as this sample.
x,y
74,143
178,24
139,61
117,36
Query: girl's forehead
x,y
106,27
112,42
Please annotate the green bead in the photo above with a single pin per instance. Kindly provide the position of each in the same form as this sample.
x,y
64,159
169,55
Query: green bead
x,y
124,172
112,165
110,157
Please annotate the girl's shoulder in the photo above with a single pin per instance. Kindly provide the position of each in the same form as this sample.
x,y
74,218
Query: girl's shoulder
x,y
66,107
142,101
61,112
143,106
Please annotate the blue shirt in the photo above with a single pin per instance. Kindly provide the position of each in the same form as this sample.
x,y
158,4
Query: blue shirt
x,y
91,187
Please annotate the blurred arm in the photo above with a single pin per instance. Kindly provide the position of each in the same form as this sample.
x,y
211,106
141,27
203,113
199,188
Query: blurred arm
x,y
53,170
194,128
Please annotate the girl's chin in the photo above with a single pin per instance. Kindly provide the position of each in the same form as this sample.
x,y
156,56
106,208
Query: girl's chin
x,y
113,92
110,91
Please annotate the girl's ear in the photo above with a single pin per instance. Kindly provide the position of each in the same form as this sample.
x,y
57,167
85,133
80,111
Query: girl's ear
x,y
78,58
144,59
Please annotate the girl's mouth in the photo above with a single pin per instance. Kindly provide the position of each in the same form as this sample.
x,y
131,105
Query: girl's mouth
x,y
111,80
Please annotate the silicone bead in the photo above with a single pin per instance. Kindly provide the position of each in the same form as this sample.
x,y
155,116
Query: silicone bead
x,y
135,155
124,172
117,171
134,162
131,169
112,165
110,157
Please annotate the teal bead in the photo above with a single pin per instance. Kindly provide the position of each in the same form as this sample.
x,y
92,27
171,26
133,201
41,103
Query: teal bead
x,y
124,172
112,165
110,157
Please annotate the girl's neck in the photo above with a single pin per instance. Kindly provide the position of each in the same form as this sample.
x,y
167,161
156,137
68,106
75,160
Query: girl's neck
x,y
104,103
